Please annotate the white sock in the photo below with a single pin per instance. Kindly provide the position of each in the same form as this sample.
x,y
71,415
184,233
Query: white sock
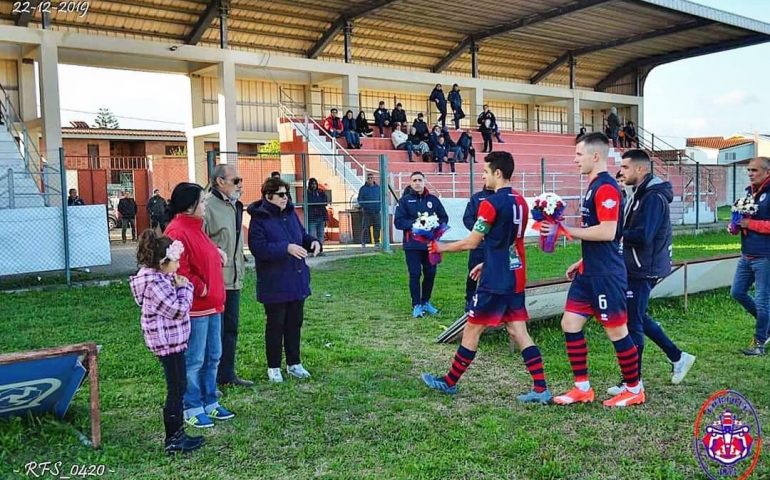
x,y
583,386
636,389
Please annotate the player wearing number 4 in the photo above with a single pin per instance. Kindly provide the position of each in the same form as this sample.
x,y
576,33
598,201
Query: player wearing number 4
x,y
501,222
598,279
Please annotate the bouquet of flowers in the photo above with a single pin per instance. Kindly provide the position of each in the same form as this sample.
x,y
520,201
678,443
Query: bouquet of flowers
x,y
549,208
427,229
742,208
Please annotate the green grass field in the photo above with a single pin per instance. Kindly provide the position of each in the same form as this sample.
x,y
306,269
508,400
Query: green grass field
x,y
365,413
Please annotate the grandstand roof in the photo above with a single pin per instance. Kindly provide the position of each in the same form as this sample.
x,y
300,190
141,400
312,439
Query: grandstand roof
x,y
717,143
519,40
123,133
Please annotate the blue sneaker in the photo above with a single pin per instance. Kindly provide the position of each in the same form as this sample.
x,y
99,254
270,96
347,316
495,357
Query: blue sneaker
x,y
532,396
200,421
220,413
438,384
430,309
418,312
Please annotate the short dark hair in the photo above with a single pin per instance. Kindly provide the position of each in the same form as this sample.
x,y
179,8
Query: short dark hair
x,y
275,174
157,190
637,155
272,185
595,139
416,173
502,161
73,190
381,102
398,104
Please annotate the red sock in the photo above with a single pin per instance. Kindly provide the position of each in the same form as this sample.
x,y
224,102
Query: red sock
x,y
577,351
460,364
628,359
534,363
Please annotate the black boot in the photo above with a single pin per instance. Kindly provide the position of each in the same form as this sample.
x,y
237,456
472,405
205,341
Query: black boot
x,y
180,442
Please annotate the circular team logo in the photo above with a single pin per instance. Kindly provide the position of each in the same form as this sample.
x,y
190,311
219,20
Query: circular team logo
x,y
430,204
762,197
728,437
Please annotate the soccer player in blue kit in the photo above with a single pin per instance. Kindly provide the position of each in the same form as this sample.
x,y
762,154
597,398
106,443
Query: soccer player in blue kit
x,y
598,279
501,223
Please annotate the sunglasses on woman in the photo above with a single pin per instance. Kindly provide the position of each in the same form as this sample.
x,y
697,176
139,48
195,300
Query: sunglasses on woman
x,y
281,194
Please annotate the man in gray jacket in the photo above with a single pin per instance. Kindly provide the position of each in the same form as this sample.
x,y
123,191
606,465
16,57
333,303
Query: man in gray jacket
x,y
224,224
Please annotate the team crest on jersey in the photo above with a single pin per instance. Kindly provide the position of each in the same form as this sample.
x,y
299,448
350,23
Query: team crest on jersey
x,y
727,436
762,197
429,204
609,203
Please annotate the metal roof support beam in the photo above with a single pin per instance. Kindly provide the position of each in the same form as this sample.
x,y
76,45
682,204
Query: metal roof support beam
x,y
224,10
527,21
572,73
682,27
46,19
348,45
656,60
474,59
337,26
22,20
203,23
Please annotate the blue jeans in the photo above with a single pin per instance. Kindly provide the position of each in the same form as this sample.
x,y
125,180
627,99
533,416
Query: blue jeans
x,y
315,228
352,138
754,271
641,324
202,358
408,147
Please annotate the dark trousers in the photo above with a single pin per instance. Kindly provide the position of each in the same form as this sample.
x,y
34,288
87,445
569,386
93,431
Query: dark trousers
x,y
381,124
125,223
442,118
156,222
417,264
474,258
176,383
641,324
370,219
458,115
442,161
230,317
282,331
487,136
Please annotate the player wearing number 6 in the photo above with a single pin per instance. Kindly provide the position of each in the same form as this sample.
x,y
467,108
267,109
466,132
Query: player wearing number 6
x,y
501,222
598,279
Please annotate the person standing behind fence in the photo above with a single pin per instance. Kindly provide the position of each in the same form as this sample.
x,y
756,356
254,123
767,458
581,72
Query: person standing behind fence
x,y
456,102
224,226
280,245
127,211
201,263
316,206
371,208
475,256
418,200
486,123
73,200
754,265
437,97
165,299
613,123
156,208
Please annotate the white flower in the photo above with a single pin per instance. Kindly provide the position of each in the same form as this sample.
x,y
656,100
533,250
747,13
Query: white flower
x,y
426,221
549,201
745,205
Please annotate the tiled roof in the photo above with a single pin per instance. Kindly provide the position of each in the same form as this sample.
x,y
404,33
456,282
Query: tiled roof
x,y
123,132
717,143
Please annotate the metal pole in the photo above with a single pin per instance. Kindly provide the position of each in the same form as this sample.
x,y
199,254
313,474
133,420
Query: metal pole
x,y
474,59
348,45
384,214
697,195
305,216
11,194
211,157
471,167
542,175
735,174
65,221
224,9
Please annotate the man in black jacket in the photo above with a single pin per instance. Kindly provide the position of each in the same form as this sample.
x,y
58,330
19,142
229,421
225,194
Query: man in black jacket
x,y
127,211
398,115
647,254
156,207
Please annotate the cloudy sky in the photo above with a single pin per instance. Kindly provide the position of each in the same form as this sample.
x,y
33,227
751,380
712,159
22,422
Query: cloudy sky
x,y
719,94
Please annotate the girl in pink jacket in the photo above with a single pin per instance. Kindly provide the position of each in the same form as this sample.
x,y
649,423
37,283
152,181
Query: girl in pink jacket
x,y
165,299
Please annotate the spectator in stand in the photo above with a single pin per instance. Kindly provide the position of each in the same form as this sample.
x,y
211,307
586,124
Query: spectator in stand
x,y
456,102
400,140
442,155
127,211
333,124
415,201
316,206
754,264
435,134
437,97
371,208
201,263
398,115
465,144
422,127
275,174
630,135
382,118
73,200
156,208
418,145
613,122
580,135
486,122
280,245
349,129
448,138
496,130
362,125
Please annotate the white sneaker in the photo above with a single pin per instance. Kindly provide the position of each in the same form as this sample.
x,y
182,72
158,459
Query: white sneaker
x,y
617,389
297,371
274,375
682,367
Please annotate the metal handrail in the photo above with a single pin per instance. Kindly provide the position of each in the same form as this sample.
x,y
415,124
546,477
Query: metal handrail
x,y
12,117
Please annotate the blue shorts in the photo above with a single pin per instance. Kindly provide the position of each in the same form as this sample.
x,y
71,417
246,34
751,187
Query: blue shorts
x,y
603,297
493,310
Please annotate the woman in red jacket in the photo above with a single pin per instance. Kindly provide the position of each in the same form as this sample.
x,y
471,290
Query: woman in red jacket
x,y
201,263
